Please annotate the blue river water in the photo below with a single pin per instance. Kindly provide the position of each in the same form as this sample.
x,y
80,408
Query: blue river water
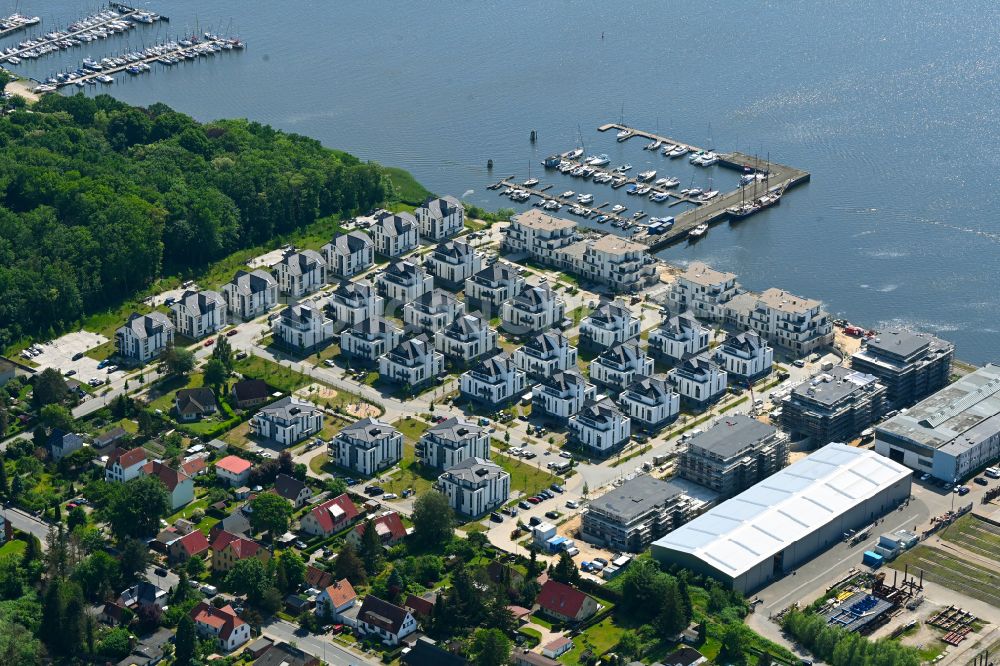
x,y
891,106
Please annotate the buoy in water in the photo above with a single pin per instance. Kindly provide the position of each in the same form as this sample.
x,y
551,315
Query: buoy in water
x,y
489,164
533,136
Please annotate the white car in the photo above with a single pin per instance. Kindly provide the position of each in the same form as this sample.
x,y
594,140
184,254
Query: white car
x,y
390,496
572,504
328,363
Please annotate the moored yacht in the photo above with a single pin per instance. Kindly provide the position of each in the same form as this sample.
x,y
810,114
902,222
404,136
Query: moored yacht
x,y
698,231
598,160
647,176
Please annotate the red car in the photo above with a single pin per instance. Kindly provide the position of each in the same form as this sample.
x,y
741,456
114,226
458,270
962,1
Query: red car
x,y
209,342
71,505
534,500
231,333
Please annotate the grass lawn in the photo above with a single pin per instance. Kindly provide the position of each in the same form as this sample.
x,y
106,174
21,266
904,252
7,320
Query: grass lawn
x,y
473,526
238,436
954,573
536,618
320,464
599,639
411,428
101,352
186,511
161,394
523,476
276,376
411,474
13,547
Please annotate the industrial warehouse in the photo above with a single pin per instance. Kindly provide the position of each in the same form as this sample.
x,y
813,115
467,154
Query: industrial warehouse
x,y
785,520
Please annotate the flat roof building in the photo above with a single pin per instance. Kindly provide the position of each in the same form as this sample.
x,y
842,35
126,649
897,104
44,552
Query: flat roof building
x,y
732,455
910,365
836,405
950,434
787,519
632,515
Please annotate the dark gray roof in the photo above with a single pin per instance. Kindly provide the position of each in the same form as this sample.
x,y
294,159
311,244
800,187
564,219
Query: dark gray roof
x,y
636,497
498,272
534,296
201,302
288,407
831,387
547,342
453,249
396,224
465,327
403,272
697,365
300,313
409,352
456,430
144,326
253,282
351,242
609,312
283,654
494,367
474,470
679,324
369,430
600,411
443,207
655,388
195,400
288,486
374,326
747,341
562,381
627,354
382,614
435,301
349,292
302,262
731,435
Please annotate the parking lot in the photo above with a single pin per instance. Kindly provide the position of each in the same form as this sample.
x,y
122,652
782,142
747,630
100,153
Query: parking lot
x,y
60,353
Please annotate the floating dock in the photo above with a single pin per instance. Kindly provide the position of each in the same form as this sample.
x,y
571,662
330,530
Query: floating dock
x,y
16,23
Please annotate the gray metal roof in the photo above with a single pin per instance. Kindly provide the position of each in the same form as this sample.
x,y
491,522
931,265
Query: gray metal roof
x,y
351,242
731,435
474,470
443,206
456,430
288,408
832,386
143,326
635,497
369,430
253,282
396,224
201,302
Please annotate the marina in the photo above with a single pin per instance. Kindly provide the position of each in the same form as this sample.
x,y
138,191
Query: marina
x,y
16,22
762,184
116,20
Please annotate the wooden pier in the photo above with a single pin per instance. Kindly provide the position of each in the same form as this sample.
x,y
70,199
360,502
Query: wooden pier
x,y
124,14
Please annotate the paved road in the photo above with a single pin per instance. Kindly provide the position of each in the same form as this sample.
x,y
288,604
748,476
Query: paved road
x,y
318,646
25,522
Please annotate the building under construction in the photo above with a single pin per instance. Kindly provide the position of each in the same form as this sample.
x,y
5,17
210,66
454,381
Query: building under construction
x,y
864,611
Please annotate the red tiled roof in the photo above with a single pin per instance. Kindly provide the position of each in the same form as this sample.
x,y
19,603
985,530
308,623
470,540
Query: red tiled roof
x,y
317,577
171,478
234,464
224,620
243,548
341,592
322,512
193,466
560,598
419,605
390,522
126,458
194,543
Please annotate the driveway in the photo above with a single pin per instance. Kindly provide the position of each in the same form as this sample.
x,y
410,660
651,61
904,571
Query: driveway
x,y
317,645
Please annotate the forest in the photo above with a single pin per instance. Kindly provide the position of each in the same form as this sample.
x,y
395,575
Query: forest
x,y
98,199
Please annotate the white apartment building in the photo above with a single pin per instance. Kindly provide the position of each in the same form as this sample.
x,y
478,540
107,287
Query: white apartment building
x,y
144,337
432,312
699,380
623,265
367,447
475,487
349,254
745,357
249,295
619,366
601,427
610,324
354,302
369,339
301,273
198,313
440,218
404,282
489,288
539,235
452,263
411,363
493,381
785,320
287,421
561,395
679,337
544,354
125,465
303,327
704,291
651,402
395,233
466,339
535,309
450,442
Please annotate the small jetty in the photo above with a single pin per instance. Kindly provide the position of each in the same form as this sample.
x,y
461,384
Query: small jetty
x,y
102,25
16,22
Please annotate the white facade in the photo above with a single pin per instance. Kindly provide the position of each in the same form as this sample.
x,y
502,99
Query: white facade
x,y
124,466
450,442
535,309
788,321
490,287
395,233
493,381
199,313
404,282
624,265
539,235
349,254
440,218
651,402
680,337
301,273
475,486
370,339
432,312
354,302
303,327
412,362
562,395
367,447
144,337
610,324
545,354
619,366
601,426
250,295
287,421
452,262
699,380
704,291
745,357
466,339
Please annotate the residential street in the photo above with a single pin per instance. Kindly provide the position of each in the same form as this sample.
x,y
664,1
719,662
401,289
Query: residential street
x,y
318,645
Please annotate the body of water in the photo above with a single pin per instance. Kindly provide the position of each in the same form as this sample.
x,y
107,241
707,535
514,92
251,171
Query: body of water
x,y
891,106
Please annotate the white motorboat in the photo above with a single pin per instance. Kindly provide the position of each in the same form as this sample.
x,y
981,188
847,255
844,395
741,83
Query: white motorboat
x,y
623,168
568,194
598,160
531,182
668,182
679,151
573,154
624,134
643,190
698,231
618,208
708,196
659,197
647,176
585,198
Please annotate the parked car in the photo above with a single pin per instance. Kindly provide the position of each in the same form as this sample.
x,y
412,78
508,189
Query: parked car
x,y
572,504
981,481
301,545
230,333
565,454
390,496
534,520
529,455
209,342
524,504
329,363
925,476
553,515
556,488
160,571
77,356
70,373
496,517
602,561
799,363
240,355
534,500
585,566
210,590
963,490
